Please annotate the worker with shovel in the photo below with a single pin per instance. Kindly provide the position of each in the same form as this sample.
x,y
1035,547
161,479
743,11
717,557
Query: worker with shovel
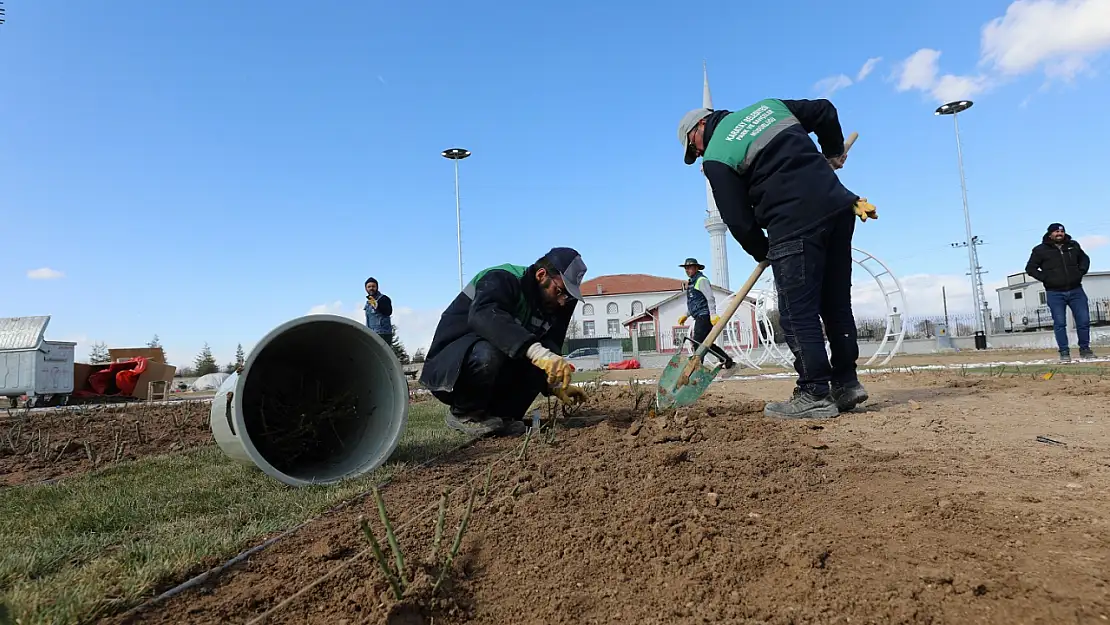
x,y
767,174
497,345
702,306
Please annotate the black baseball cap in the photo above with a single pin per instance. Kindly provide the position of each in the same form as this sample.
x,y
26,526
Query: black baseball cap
x,y
568,262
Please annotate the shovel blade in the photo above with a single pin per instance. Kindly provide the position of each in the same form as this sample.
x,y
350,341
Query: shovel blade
x,y
669,395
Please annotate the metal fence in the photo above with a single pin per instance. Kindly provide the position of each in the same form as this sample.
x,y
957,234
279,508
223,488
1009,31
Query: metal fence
x,y
868,329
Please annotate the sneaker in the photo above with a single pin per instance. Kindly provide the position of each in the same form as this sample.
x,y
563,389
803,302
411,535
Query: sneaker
x,y
1086,353
1065,357
473,423
803,405
516,427
849,396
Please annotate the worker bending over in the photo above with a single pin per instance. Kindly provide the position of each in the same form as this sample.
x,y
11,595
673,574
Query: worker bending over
x,y
702,306
497,345
767,174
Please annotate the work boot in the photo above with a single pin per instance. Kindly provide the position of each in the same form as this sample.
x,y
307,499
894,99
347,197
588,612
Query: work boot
x,y
729,363
848,396
803,405
1065,356
472,423
1086,353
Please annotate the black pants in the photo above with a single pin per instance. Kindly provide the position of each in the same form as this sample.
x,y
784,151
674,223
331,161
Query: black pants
x,y
388,338
493,383
702,326
813,275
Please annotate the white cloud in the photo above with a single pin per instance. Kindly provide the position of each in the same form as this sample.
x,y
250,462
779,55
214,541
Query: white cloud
x,y
1094,241
414,327
921,71
1056,35
830,85
868,67
44,273
1060,37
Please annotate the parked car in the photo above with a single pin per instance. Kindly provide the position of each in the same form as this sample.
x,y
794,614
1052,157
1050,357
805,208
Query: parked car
x,y
584,352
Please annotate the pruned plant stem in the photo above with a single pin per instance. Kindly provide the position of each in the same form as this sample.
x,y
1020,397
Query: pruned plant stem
x,y
392,538
455,545
524,448
376,549
439,525
489,475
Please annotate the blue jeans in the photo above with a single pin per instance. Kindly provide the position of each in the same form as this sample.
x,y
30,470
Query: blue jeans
x,y
813,275
1058,303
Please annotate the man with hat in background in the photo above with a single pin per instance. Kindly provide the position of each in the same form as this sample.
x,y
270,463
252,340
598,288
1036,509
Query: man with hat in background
x,y
766,174
1060,263
498,344
702,306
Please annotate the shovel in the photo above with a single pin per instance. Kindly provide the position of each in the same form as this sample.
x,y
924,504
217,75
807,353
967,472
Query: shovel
x,y
684,379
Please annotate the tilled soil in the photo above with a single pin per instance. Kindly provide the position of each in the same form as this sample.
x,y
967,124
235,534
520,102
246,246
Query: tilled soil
x,y
39,446
935,503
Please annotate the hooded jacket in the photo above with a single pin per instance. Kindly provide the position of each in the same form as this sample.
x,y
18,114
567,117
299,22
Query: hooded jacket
x,y
1060,266
501,305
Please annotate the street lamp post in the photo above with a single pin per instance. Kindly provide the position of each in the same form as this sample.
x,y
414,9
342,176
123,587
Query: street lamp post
x,y
457,154
977,295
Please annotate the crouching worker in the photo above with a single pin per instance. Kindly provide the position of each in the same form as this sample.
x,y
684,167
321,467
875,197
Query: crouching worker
x,y
497,345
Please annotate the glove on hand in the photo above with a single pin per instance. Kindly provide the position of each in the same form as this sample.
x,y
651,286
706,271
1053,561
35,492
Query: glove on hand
x,y
682,320
865,209
558,370
571,395
837,162
714,319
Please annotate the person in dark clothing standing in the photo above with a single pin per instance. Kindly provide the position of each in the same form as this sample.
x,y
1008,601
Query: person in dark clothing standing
x,y
702,306
1060,264
767,174
379,311
497,345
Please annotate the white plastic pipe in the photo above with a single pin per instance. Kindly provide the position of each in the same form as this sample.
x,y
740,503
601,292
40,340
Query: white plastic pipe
x,y
300,362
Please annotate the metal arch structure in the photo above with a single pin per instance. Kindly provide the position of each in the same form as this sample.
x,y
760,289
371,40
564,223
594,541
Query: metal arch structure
x,y
894,298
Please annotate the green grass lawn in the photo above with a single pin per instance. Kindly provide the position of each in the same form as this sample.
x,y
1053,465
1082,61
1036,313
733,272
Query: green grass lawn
x,y
96,544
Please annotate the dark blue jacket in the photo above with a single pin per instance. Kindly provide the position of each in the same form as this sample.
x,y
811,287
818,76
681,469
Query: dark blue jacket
x,y
789,189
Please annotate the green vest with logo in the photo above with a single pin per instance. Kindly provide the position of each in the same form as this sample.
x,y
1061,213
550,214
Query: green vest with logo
x,y
741,135
522,312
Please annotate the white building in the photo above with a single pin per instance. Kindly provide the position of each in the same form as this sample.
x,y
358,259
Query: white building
x,y
627,305
1022,303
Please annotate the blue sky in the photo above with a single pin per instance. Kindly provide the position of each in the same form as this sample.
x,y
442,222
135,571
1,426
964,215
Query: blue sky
x,y
208,170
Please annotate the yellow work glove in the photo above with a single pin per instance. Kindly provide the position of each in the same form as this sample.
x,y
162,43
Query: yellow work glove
x,y
571,395
865,209
714,319
558,370
682,320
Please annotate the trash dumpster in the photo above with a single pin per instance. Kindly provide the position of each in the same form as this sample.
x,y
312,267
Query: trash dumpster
x,y
980,339
32,366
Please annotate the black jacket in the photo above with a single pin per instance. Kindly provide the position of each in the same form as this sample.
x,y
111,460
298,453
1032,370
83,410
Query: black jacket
x,y
506,311
790,189
1059,267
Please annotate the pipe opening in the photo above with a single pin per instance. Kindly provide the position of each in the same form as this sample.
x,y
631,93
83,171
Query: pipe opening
x,y
320,401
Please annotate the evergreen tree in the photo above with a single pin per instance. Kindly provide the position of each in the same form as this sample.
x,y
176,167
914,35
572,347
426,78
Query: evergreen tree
x,y
98,353
154,342
399,348
240,357
205,362
419,355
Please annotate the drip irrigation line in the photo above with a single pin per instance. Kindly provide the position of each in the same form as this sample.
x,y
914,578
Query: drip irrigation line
x,y
351,560
217,570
